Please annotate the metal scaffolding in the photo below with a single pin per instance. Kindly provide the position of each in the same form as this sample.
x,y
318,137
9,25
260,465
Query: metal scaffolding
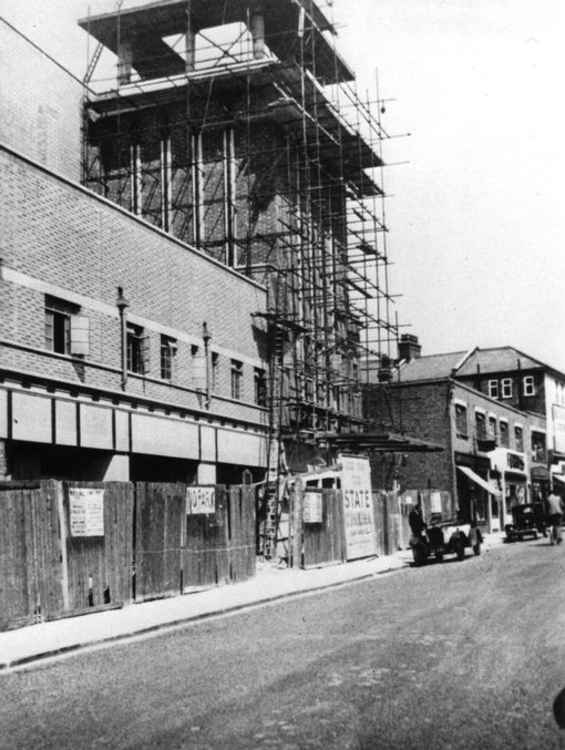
x,y
237,127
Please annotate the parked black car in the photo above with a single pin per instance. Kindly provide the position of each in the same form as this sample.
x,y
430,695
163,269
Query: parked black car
x,y
527,520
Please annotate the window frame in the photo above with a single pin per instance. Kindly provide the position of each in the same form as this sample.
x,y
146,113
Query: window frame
x,y
167,352
236,377
504,384
134,349
58,314
214,371
461,421
480,416
493,389
528,385
518,428
260,380
504,434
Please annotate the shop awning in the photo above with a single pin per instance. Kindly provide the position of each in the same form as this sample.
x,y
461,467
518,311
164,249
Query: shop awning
x,y
479,480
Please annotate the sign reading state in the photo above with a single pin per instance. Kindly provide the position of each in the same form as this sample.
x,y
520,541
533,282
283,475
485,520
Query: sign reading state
x,y
200,500
360,532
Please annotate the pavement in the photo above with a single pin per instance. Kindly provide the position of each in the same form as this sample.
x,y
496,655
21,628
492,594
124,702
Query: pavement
x,y
271,583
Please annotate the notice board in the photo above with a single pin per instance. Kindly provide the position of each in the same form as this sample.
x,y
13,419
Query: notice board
x,y
86,511
360,532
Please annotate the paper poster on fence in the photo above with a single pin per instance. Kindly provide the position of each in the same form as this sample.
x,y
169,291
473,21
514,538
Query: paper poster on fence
x,y
360,532
86,508
312,511
200,500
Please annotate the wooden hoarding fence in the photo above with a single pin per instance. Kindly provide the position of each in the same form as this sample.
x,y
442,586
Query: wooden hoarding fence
x,y
324,527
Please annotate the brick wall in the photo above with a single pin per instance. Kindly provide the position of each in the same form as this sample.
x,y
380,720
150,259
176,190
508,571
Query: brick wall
x,y
60,238
421,411
500,411
40,112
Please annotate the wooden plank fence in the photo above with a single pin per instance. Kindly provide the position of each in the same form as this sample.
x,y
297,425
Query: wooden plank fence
x,y
324,542
145,546
321,543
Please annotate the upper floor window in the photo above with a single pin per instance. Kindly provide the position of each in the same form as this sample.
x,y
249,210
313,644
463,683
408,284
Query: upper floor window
x,y
461,421
506,387
168,352
236,378
538,446
215,369
58,325
493,388
137,350
519,438
492,427
260,387
480,425
504,436
529,386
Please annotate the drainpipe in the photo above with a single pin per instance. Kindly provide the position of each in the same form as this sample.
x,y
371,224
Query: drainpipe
x,y
207,337
122,304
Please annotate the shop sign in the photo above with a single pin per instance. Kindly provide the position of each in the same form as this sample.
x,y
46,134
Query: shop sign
x,y
360,532
312,511
86,507
200,500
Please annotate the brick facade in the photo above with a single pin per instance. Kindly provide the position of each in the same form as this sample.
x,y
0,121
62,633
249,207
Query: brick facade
x,y
41,107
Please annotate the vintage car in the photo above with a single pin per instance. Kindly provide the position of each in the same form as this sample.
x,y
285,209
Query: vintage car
x,y
527,520
440,539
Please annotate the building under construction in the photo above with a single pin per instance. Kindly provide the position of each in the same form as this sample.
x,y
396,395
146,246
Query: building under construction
x,y
237,127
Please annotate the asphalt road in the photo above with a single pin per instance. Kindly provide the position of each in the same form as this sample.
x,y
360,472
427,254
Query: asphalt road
x,y
453,655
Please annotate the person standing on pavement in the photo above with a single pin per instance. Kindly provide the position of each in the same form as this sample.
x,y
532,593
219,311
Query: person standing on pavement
x,y
555,513
416,520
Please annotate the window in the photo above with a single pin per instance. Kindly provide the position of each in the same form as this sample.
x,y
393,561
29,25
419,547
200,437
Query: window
x,y
58,325
236,377
538,446
506,384
461,421
519,438
504,436
492,431
529,388
168,352
260,387
493,388
137,350
215,365
480,425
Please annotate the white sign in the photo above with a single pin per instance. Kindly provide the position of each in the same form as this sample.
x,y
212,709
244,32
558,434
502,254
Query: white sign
x,y
312,512
200,500
86,511
435,502
360,532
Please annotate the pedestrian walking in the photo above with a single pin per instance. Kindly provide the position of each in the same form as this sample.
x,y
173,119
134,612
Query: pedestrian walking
x,y
555,513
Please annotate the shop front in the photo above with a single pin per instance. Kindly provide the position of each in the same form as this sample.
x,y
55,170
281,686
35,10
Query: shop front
x,y
477,494
509,469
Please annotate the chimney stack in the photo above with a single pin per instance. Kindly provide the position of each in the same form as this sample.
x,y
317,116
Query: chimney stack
x,y
409,347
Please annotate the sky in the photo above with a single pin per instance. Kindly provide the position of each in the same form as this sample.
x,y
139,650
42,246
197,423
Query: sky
x,y
476,215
